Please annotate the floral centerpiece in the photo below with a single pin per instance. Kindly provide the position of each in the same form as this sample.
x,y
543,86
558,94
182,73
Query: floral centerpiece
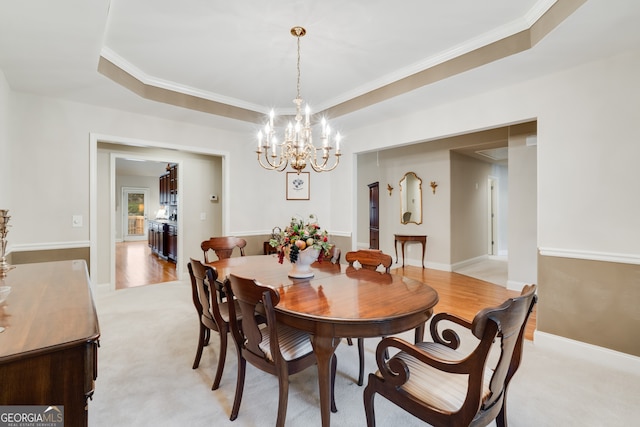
x,y
298,236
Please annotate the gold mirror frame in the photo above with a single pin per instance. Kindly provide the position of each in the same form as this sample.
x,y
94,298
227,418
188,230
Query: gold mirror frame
x,y
410,199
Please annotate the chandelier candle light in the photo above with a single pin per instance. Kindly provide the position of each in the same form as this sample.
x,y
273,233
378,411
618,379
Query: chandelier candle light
x,y
297,147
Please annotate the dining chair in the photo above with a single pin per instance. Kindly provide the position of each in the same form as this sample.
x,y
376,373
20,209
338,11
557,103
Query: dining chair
x,y
213,315
444,386
333,256
222,246
369,259
267,344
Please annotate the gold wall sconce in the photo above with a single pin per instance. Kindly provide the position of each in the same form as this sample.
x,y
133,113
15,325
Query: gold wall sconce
x,y
390,188
433,186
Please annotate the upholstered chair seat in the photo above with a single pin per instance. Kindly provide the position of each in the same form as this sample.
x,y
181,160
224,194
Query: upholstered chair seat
x,y
437,388
293,343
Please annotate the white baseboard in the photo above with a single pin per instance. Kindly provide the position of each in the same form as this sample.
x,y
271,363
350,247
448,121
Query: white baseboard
x,y
514,285
104,288
593,353
418,263
438,266
467,262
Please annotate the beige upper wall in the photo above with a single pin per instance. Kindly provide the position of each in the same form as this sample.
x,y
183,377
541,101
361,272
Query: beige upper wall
x,y
587,170
389,167
455,218
585,117
585,152
469,208
523,212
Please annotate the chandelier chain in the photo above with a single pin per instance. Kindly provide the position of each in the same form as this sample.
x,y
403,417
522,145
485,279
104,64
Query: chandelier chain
x,y
298,149
298,69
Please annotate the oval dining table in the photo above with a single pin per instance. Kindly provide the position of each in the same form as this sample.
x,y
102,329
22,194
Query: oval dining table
x,y
339,301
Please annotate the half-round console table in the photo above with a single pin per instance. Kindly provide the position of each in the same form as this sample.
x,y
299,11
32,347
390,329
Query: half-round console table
x,y
404,238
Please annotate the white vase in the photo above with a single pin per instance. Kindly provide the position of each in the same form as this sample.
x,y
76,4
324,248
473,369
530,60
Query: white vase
x,y
301,269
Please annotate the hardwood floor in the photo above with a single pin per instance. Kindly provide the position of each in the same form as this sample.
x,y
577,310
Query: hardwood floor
x,y
137,266
459,294
463,295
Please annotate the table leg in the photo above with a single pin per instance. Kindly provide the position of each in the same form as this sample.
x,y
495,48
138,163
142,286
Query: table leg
x,y
402,243
324,345
424,249
419,334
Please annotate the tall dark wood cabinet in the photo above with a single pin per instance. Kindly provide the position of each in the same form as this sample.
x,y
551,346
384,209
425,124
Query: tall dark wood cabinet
x,y
163,239
164,189
171,239
169,186
173,185
49,346
163,234
374,219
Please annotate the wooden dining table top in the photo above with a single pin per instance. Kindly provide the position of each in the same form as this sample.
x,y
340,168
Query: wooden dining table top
x,y
338,302
337,293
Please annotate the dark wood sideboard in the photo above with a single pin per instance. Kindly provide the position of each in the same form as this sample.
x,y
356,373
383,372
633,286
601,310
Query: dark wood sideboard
x,y
49,346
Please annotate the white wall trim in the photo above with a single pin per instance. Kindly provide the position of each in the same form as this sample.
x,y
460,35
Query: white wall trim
x,y
268,232
514,285
580,350
467,262
340,233
28,247
435,266
591,255
104,288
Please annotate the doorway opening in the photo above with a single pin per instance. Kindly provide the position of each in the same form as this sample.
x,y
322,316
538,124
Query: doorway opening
x,y
138,180
134,220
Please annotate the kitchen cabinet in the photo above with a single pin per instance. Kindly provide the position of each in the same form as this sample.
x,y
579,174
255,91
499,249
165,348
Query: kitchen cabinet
x,y
154,237
173,185
163,239
169,186
171,232
164,189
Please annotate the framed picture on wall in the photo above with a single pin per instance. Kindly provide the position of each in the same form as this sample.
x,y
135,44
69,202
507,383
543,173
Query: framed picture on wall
x,y
298,186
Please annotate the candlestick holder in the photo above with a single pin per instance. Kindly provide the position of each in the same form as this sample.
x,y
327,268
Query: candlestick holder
x,y
4,229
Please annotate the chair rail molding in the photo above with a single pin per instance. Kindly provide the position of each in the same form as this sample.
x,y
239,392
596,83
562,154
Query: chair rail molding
x,y
591,255
27,247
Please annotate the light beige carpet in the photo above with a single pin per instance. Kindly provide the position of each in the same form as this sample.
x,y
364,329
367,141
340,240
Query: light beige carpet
x,y
492,270
148,343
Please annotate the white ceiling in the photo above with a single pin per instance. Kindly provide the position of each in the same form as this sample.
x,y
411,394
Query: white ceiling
x,y
140,167
242,54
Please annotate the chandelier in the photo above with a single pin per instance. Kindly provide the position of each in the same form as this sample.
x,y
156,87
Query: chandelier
x,y
297,148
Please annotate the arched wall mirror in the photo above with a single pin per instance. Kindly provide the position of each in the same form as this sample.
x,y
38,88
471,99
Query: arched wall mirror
x,y
410,199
